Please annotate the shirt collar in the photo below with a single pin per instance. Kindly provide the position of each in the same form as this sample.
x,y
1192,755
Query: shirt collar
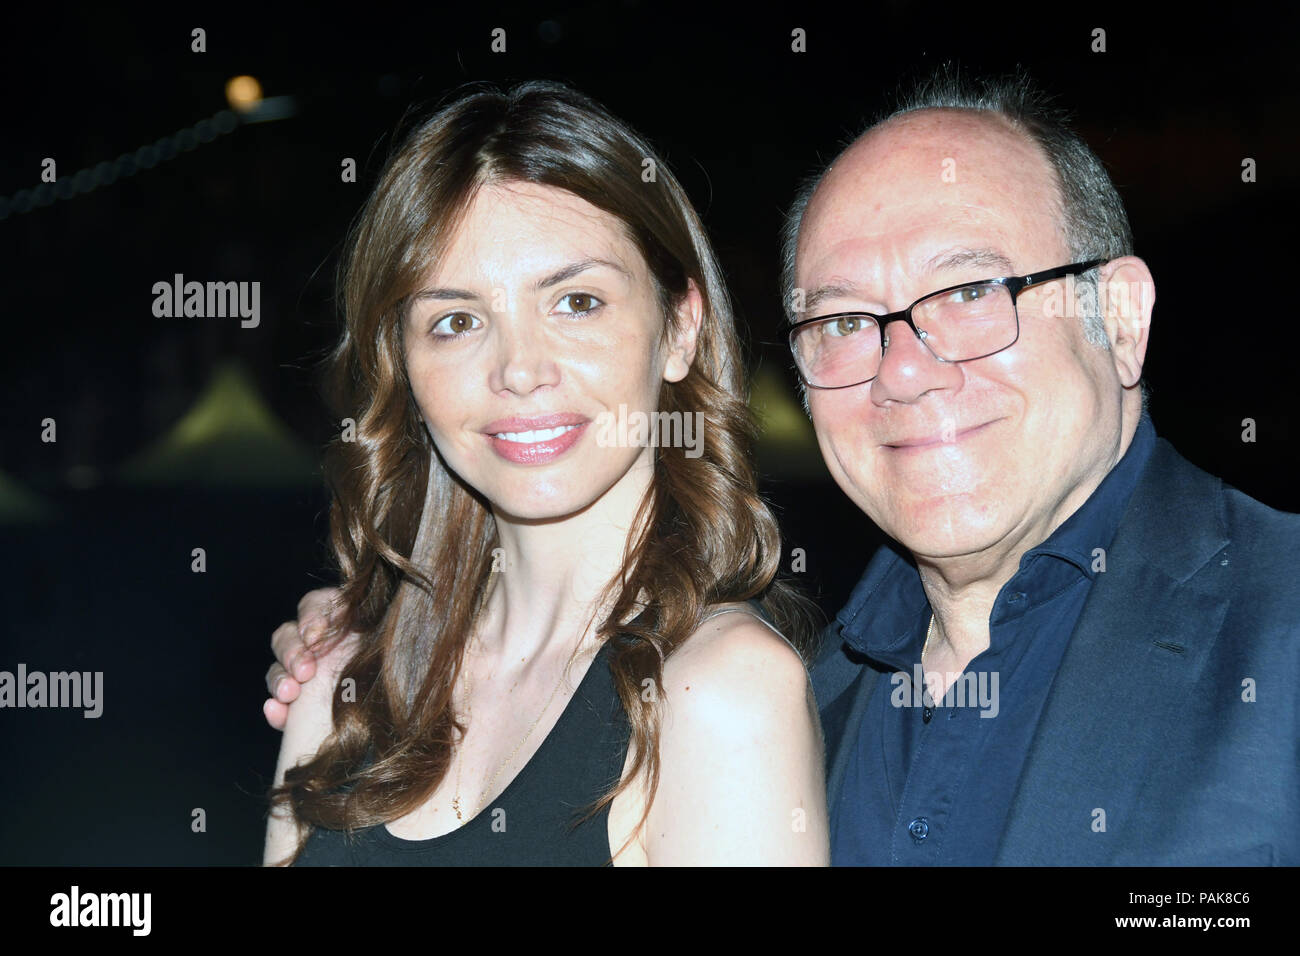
x,y
1094,524
881,616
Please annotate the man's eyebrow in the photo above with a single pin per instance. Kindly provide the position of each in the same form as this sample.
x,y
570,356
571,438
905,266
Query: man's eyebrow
x,y
831,290
958,258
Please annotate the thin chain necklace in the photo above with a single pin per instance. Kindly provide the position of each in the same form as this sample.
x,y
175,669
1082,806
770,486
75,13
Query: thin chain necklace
x,y
929,633
455,801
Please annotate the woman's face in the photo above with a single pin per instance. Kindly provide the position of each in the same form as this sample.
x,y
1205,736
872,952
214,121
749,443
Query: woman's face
x,y
540,321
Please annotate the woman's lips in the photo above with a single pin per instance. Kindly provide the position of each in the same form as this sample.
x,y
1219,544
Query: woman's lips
x,y
535,441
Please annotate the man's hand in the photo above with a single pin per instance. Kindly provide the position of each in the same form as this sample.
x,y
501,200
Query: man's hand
x,y
295,662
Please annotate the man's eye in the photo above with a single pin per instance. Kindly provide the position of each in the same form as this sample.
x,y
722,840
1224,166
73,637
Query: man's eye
x,y
971,293
846,325
458,323
580,303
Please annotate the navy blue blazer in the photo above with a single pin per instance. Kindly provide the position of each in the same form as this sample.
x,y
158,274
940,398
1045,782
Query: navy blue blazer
x,y
1175,710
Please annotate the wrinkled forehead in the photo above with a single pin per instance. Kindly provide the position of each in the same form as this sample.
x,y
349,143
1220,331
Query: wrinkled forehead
x,y
936,177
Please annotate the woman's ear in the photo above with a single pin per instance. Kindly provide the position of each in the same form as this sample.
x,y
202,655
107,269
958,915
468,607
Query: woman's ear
x,y
684,333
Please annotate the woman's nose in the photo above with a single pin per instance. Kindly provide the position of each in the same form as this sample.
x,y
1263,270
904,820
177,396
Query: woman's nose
x,y
523,359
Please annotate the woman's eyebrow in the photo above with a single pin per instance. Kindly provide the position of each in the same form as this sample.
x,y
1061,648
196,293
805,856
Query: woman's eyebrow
x,y
575,268
555,278
443,294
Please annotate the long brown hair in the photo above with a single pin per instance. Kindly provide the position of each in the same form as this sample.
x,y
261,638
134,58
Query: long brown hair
x,y
706,536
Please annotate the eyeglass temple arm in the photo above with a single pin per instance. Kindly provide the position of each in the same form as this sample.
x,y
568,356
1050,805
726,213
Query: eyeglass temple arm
x,y
1072,269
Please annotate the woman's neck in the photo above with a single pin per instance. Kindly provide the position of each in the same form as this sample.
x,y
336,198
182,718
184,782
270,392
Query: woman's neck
x,y
550,577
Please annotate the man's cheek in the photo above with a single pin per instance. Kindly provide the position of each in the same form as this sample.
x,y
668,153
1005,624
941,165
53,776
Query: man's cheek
x,y
834,417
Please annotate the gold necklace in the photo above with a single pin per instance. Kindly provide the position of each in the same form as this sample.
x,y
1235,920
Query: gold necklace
x,y
929,633
455,800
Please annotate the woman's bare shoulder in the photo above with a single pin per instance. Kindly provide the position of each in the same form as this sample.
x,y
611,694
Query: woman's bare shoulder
x,y
735,652
741,751
735,677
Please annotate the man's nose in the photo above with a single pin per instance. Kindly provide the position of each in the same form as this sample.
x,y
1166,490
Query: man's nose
x,y
523,359
909,369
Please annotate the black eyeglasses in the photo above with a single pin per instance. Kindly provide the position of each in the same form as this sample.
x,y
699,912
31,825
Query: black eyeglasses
x,y
958,324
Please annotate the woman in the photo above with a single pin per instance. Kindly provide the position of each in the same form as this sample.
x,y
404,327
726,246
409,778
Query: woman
x,y
541,667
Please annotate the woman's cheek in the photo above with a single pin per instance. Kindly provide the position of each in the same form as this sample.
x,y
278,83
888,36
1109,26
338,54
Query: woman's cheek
x,y
451,395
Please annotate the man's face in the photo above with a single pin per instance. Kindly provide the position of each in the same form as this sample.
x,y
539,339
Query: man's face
x,y
955,459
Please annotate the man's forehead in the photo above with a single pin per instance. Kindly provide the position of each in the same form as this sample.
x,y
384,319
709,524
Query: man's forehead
x,y
912,194
939,157
919,240
858,277
944,128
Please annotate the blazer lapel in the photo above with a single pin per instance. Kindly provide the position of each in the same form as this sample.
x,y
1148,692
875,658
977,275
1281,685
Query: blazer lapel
x,y
1140,641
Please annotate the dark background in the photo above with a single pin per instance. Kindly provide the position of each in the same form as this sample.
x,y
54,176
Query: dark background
x,y
98,527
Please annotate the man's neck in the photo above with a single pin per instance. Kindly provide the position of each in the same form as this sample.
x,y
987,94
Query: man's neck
x,y
962,589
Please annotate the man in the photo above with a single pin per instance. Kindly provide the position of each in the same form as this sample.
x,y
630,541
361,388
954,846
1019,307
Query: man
x,y
1106,634
1078,649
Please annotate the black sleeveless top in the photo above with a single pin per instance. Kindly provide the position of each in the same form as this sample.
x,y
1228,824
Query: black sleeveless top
x,y
532,822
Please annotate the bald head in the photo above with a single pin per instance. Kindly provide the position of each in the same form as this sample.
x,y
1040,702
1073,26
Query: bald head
x,y
1084,203
941,170
975,453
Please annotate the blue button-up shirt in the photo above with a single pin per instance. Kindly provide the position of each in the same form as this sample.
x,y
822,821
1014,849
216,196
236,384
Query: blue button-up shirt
x,y
931,782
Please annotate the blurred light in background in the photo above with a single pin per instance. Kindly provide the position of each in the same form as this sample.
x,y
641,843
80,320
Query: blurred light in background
x,y
229,438
243,93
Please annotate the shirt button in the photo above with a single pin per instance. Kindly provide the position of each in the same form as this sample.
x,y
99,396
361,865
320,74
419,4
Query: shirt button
x,y
1017,596
919,828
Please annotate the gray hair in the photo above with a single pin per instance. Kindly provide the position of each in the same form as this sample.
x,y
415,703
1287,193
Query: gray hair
x,y
1091,214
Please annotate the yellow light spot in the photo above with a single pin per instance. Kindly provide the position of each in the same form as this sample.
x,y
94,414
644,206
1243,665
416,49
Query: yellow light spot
x,y
243,93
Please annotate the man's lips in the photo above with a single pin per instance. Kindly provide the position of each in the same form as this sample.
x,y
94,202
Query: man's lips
x,y
933,440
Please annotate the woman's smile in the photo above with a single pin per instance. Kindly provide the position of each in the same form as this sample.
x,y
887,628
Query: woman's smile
x,y
535,441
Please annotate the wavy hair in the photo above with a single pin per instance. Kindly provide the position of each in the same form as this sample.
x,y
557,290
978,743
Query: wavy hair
x,y
413,544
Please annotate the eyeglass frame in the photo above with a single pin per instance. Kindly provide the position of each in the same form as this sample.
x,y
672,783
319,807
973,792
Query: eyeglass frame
x,y
1013,284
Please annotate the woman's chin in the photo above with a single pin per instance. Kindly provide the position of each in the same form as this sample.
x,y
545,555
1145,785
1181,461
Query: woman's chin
x,y
560,493
540,508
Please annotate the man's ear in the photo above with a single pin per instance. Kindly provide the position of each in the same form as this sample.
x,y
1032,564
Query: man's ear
x,y
1127,297
684,333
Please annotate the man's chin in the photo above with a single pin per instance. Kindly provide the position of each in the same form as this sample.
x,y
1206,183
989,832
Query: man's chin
x,y
944,532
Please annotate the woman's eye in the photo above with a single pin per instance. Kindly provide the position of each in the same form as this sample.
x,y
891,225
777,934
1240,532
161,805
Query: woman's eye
x,y
580,303
458,323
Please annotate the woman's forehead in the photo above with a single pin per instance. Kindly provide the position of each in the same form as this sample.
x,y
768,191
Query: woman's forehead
x,y
522,229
